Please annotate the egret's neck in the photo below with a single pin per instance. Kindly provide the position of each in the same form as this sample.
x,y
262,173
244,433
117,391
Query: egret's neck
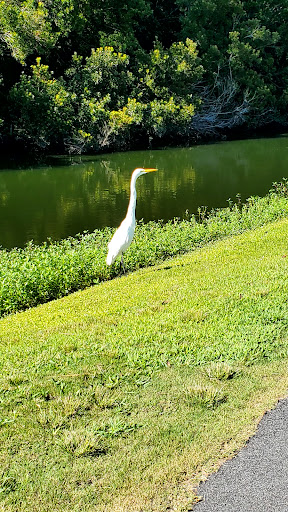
x,y
133,197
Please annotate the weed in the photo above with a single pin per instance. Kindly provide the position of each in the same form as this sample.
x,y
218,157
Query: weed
x,y
222,370
5,421
83,443
205,396
8,483
117,427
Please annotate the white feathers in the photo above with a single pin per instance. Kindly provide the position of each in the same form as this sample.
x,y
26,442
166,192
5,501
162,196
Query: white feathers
x,y
120,241
123,236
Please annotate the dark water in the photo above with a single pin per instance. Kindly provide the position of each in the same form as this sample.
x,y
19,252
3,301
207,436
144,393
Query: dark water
x,y
68,197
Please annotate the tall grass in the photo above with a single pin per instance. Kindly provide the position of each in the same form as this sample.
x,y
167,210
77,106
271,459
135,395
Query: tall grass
x,y
37,274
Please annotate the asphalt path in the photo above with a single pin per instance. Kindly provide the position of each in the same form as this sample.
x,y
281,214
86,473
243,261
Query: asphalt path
x,y
256,480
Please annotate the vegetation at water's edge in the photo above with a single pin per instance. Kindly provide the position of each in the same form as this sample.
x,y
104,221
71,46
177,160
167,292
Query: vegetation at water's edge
x,y
93,76
37,274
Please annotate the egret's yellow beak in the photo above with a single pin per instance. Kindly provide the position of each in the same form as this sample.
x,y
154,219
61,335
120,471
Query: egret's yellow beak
x,y
150,170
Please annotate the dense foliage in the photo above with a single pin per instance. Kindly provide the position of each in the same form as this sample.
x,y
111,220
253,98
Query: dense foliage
x,y
90,75
37,274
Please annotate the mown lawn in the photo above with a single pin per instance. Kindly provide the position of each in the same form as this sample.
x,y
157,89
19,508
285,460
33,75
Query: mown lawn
x,y
120,397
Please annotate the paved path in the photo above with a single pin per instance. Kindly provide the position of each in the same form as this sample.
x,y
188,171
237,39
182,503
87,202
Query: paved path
x,y
256,480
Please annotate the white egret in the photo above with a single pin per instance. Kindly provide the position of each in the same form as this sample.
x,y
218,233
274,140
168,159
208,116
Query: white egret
x,y
123,236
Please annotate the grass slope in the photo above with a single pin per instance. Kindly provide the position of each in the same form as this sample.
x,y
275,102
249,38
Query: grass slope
x,y
122,396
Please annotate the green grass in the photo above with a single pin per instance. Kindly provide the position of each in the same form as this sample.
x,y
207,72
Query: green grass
x,y
122,396
37,274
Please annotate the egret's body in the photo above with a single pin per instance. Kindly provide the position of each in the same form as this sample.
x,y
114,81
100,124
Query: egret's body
x,y
123,236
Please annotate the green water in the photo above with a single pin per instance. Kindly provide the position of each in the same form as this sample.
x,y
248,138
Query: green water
x,y
69,197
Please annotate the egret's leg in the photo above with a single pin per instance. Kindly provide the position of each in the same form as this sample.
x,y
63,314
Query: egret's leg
x,y
122,264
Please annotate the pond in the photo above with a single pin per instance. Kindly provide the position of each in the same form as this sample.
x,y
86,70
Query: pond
x,y
74,195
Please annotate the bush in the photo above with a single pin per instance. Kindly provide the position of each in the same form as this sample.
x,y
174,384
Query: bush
x,y
41,108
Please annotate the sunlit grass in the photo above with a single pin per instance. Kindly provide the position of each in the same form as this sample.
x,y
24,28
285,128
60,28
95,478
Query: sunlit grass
x,y
119,397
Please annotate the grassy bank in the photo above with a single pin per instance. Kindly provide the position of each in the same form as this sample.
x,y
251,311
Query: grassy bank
x,y
119,397
37,274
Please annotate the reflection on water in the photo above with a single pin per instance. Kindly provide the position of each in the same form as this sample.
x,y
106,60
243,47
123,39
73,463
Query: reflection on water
x,y
93,192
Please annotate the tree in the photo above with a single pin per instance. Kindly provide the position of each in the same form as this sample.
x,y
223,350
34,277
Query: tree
x,y
41,108
25,28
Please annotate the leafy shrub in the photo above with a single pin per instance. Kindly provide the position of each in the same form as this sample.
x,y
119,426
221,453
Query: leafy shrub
x,y
41,107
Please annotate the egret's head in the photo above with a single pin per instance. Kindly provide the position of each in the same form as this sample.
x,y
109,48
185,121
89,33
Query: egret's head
x,y
141,170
